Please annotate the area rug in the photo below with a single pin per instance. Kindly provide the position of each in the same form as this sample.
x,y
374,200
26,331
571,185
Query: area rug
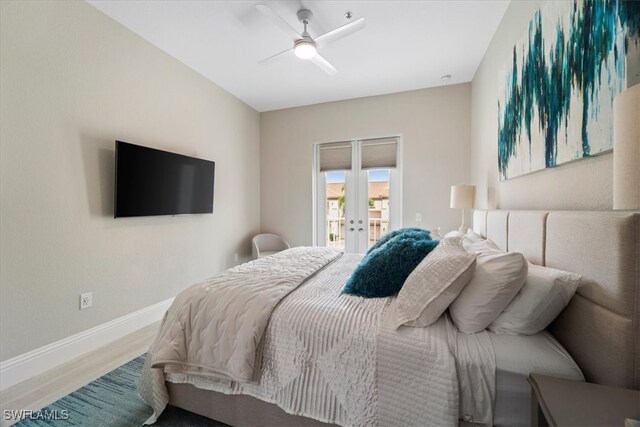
x,y
111,400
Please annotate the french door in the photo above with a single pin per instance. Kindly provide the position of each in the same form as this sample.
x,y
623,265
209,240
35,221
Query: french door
x,y
358,192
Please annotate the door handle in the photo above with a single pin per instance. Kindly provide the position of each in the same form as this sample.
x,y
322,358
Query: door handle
x,y
360,222
351,229
360,229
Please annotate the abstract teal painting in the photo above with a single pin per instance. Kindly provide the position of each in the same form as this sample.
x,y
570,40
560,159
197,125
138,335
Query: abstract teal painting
x,y
555,100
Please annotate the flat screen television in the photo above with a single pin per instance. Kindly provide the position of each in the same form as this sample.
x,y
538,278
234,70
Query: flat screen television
x,y
155,182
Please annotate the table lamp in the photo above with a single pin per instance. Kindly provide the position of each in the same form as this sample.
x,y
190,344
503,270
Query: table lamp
x,y
462,198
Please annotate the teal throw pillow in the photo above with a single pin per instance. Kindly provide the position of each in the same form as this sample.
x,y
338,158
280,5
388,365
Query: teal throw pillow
x,y
383,270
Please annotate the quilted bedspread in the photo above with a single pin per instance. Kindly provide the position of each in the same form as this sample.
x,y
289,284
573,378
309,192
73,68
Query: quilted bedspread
x,y
215,328
338,359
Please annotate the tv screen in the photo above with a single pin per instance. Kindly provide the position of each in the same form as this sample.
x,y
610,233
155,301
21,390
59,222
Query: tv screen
x,y
155,182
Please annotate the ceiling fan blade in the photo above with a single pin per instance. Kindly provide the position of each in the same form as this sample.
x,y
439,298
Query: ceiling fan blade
x,y
278,56
340,32
323,64
278,21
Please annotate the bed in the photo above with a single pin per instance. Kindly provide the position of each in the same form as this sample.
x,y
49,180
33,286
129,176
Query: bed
x,y
350,378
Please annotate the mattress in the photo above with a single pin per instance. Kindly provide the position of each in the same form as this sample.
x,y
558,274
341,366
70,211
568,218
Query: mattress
x,y
517,356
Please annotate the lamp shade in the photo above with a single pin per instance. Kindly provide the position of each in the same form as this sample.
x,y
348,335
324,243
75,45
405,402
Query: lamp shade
x,y
626,149
462,196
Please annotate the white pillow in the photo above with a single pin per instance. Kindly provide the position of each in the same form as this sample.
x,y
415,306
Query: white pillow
x,y
469,238
434,283
496,280
544,295
454,233
473,237
435,234
481,246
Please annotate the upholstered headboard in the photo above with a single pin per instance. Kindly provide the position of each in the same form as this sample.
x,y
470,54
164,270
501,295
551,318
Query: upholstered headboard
x,y
601,325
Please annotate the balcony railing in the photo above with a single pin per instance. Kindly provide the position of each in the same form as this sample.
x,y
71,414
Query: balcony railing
x,y
335,232
378,227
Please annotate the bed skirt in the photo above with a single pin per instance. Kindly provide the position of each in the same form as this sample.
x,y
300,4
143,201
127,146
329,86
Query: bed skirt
x,y
240,410
236,410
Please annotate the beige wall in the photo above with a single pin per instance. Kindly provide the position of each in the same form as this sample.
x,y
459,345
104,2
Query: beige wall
x,y
434,123
73,81
583,185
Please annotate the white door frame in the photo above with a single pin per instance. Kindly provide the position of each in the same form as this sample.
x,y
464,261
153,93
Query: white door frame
x,y
352,192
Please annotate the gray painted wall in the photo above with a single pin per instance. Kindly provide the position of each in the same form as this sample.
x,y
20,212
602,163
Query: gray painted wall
x,y
72,82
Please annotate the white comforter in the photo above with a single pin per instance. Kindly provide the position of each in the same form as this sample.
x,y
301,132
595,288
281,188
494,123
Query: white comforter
x,y
337,358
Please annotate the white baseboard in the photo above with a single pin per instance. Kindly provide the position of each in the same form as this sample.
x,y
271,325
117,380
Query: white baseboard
x,y
35,362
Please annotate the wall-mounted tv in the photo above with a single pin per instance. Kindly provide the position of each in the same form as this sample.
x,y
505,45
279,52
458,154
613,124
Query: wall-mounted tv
x,y
155,182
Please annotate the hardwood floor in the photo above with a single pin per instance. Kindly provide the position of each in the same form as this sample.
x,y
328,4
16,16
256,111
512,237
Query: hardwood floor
x,y
46,388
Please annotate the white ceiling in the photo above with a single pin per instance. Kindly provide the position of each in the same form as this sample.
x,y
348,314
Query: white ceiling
x,y
405,45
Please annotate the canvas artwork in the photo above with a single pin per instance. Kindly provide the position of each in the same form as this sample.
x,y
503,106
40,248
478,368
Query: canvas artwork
x,y
555,101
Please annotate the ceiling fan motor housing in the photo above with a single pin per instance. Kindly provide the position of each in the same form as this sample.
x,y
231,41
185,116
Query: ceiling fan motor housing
x,y
306,39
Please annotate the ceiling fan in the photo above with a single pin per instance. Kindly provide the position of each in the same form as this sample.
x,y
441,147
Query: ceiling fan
x,y
304,46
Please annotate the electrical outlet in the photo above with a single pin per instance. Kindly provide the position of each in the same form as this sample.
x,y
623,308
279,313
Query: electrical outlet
x,y
86,300
236,258
418,216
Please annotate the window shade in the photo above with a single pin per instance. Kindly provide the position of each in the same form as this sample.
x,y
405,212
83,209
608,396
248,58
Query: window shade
x,y
335,156
379,153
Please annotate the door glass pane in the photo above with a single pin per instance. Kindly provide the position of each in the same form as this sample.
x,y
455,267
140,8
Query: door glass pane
x,y
335,191
378,200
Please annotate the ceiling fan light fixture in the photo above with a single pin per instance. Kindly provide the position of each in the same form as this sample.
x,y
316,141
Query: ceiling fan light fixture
x,y
305,49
